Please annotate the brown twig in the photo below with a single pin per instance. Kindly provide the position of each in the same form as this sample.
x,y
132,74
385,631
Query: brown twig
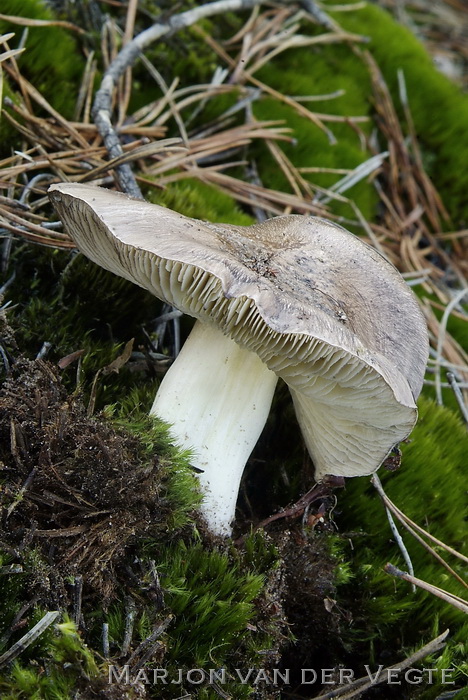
x,y
103,101
317,492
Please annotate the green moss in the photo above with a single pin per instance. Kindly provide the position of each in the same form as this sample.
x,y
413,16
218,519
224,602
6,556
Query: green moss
x,y
182,493
51,60
212,602
214,593
434,456
319,72
201,201
60,651
71,303
439,108
430,488
343,571
213,596
259,552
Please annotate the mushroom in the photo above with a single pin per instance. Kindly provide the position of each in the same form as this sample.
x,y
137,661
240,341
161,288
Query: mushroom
x,y
295,297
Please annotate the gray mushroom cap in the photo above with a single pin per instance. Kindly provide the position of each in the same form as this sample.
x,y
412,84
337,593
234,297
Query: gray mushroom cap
x,y
322,309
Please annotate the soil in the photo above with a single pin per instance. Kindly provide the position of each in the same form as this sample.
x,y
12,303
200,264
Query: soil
x,y
74,488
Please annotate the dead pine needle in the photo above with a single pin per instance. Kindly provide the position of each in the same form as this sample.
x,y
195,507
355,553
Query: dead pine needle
x,y
458,395
441,339
357,687
416,532
30,637
454,600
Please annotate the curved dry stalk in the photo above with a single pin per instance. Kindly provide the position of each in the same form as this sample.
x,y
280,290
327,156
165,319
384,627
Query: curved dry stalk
x,y
28,22
398,538
455,386
418,528
148,149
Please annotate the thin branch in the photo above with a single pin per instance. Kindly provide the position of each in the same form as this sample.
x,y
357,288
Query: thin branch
x,y
421,530
458,395
319,15
389,506
441,338
378,485
126,58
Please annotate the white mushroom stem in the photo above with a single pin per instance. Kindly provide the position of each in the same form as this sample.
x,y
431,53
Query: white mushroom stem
x,y
217,397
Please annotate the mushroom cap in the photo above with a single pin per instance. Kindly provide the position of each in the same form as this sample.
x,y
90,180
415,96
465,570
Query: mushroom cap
x,y
325,311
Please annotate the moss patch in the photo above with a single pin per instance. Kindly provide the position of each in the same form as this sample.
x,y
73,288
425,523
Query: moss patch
x,y
51,56
430,488
439,108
